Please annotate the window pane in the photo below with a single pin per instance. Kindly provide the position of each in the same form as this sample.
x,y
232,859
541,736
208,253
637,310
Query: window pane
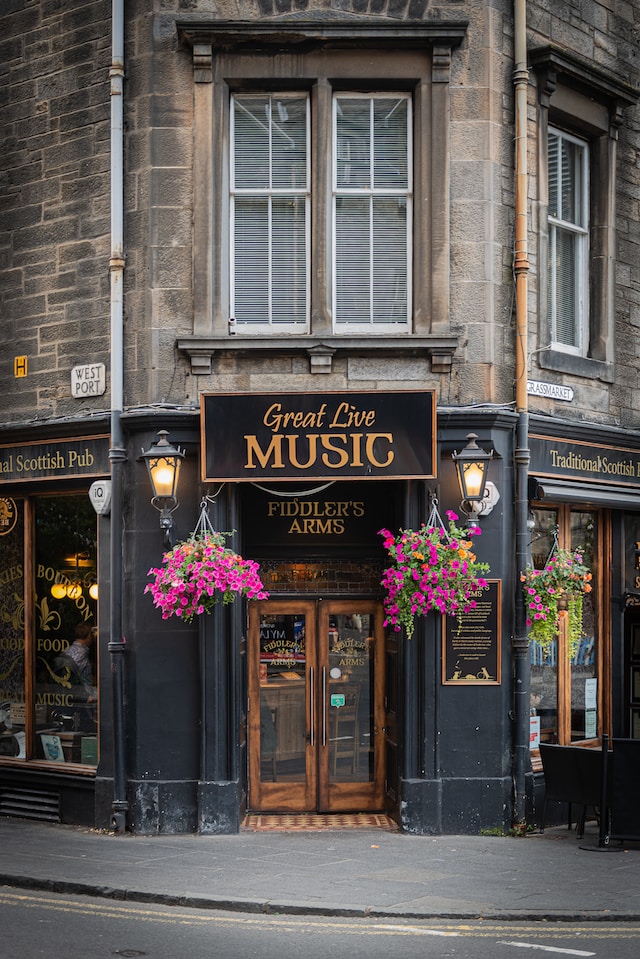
x,y
544,668
269,206
66,718
251,264
289,288
552,685
289,143
269,141
353,142
568,249
554,147
12,693
565,298
251,143
390,143
566,171
353,260
584,717
371,207
572,204
390,259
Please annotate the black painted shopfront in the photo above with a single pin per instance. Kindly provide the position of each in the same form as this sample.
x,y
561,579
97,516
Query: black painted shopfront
x,y
49,668
244,710
304,701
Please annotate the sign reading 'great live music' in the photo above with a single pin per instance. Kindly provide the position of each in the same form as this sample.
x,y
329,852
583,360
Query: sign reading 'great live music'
x,y
318,436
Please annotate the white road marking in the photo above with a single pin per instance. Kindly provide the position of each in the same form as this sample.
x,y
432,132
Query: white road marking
x,y
417,930
534,945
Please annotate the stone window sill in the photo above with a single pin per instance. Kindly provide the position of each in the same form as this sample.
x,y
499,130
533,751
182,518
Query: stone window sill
x,y
320,350
577,365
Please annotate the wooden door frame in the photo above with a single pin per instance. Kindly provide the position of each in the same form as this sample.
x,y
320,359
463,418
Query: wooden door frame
x,y
317,792
332,796
285,796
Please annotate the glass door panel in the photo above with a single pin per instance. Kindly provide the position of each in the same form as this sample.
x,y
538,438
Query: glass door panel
x,y
350,706
282,696
351,702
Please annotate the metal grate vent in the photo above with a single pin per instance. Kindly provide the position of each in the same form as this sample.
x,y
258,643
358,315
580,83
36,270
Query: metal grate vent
x,y
30,804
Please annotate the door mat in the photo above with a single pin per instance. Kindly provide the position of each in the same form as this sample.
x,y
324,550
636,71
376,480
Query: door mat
x,y
314,822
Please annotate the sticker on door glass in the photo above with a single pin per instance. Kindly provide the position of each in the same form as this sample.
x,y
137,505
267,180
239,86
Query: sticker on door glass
x,y
337,699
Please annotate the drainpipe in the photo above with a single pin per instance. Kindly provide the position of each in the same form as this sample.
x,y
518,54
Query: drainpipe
x,y
117,452
520,643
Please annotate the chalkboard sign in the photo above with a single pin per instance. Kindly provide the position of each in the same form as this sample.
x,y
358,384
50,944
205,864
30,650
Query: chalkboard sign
x,y
471,641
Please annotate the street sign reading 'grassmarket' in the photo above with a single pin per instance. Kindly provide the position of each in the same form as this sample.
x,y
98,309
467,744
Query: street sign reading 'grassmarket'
x,y
318,436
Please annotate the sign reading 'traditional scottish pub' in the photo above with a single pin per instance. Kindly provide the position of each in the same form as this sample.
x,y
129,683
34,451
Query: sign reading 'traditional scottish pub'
x,y
318,436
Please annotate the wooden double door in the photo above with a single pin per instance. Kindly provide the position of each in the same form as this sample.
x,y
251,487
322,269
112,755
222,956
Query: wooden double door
x,y
316,706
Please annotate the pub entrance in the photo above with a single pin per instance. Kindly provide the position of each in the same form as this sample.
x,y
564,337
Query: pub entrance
x,y
316,706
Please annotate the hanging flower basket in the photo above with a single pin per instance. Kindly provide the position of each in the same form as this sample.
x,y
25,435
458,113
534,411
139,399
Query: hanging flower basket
x,y
200,572
554,592
434,568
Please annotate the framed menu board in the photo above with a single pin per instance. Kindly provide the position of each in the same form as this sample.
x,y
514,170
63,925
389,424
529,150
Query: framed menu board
x,y
471,649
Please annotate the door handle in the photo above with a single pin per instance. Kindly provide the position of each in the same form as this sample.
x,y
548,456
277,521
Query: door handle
x,y
312,731
324,705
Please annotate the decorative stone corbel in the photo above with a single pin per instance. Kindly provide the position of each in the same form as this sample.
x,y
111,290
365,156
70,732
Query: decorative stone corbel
x,y
320,358
202,63
199,352
441,359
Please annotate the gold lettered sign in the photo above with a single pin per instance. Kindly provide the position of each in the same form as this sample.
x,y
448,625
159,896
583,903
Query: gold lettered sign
x,y
471,641
347,514
318,436
574,460
55,459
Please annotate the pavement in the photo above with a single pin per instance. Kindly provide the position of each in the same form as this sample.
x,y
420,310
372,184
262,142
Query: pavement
x,y
362,872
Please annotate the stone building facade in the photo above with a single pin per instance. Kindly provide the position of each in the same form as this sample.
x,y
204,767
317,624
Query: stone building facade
x,y
150,266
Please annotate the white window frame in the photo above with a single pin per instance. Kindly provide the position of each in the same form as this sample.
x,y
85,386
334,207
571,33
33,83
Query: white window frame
x,y
404,194
269,326
579,230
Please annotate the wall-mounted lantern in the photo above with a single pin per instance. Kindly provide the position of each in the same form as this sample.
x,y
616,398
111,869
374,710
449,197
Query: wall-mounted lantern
x,y
163,464
472,465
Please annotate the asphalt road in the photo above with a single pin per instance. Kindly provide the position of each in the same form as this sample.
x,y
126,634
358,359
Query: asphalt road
x,y
34,924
